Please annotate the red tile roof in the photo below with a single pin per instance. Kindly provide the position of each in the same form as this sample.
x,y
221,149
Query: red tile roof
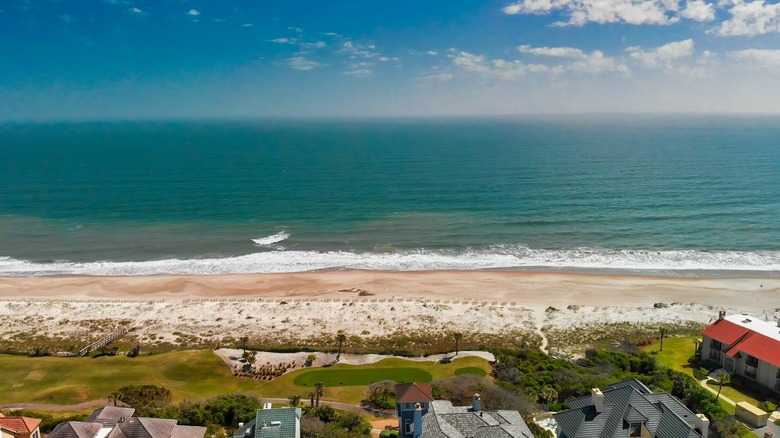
x,y
761,347
414,392
725,331
20,424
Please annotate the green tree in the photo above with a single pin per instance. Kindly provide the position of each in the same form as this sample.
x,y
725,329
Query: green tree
x,y
311,398
295,400
319,391
243,341
144,398
548,394
663,333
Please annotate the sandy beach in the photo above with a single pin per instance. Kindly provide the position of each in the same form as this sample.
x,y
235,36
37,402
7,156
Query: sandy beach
x,y
368,303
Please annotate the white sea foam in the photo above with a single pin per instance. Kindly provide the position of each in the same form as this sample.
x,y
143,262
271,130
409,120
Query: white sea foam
x,y
509,257
274,238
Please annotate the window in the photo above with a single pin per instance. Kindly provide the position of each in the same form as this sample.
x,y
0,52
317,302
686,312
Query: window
x,y
716,345
778,373
751,361
635,430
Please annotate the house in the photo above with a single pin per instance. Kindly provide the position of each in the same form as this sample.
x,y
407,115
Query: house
x,y
19,427
272,423
440,419
744,346
629,409
116,422
408,396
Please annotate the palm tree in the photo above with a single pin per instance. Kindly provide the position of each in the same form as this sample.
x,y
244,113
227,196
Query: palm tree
x,y
458,337
548,394
319,391
295,400
663,332
243,341
723,379
341,338
311,398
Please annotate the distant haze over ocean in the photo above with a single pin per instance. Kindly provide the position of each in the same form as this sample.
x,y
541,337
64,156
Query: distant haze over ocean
x,y
662,194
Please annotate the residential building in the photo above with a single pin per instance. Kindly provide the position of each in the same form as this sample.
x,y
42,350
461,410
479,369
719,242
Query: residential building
x,y
116,422
428,418
629,409
19,427
744,346
408,396
272,423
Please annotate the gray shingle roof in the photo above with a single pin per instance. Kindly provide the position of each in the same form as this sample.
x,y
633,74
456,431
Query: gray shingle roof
x,y
110,415
446,421
627,402
76,429
188,432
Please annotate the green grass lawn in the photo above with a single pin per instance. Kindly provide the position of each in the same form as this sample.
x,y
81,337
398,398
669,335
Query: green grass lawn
x,y
286,385
675,356
676,353
470,370
196,375
361,376
191,375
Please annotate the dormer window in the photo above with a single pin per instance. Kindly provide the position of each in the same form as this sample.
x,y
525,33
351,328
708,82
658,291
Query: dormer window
x,y
635,430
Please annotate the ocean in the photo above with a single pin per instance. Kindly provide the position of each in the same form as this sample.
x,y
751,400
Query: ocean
x,y
669,195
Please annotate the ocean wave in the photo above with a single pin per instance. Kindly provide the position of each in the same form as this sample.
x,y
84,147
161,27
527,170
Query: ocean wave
x,y
274,238
497,257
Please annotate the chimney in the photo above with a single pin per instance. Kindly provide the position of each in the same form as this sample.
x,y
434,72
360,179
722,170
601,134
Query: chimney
x,y
721,315
417,420
703,424
476,403
778,322
597,398
240,425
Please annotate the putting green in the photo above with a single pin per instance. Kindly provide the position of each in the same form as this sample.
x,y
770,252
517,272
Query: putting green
x,y
361,377
470,370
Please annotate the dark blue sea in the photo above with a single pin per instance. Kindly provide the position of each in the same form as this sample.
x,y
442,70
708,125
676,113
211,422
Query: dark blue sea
x,y
661,194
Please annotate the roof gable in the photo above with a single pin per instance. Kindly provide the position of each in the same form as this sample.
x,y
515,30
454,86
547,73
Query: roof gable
x,y
76,429
415,392
20,424
725,331
761,347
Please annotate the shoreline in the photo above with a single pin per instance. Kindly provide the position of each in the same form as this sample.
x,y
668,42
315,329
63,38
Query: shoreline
x,y
295,308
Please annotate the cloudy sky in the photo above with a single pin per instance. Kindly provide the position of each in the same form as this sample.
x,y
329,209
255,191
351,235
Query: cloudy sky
x,y
107,59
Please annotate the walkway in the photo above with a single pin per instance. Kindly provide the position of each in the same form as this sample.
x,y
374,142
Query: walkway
x,y
722,397
42,407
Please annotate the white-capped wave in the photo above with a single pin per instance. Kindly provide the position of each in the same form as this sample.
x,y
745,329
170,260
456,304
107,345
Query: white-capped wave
x,y
270,240
507,257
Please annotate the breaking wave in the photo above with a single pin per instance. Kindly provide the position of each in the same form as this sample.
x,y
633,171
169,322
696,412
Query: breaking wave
x,y
496,257
270,240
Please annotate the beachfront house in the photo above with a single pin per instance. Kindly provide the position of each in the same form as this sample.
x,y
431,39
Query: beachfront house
x,y
744,346
19,427
272,423
116,422
419,416
629,409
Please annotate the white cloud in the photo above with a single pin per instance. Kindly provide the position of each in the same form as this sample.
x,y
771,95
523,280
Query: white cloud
x,y
496,69
315,45
662,56
559,52
66,18
750,18
580,12
439,77
295,29
330,34
359,72
283,40
759,57
303,64
432,52
699,10
247,25
596,63
193,13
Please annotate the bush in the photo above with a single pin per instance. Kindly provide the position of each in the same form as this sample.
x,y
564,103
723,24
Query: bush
x,y
557,407
389,434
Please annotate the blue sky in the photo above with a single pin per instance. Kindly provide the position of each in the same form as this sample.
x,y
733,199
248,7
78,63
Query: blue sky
x,y
97,59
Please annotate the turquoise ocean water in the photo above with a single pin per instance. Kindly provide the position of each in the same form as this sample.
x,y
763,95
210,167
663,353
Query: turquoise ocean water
x,y
676,195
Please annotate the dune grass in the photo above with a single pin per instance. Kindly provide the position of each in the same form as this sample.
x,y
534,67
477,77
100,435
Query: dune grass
x,y
190,375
